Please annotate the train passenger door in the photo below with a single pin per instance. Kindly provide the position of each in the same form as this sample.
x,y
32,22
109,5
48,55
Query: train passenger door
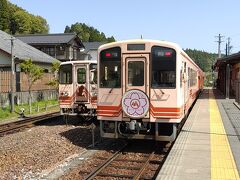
x,y
82,94
136,73
136,77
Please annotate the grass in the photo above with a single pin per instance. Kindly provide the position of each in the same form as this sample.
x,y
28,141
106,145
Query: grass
x,y
37,107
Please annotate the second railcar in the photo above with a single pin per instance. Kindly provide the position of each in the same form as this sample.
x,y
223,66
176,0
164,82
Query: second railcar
x,y
78,87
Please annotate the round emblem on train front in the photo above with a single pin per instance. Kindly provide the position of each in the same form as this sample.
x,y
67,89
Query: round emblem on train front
x,y
135,104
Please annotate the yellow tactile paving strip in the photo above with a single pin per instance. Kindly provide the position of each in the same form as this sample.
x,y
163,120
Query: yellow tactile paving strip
x,y
222,162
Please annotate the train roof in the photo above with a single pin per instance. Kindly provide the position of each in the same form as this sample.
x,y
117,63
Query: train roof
x,y
80,62
160,42
166,43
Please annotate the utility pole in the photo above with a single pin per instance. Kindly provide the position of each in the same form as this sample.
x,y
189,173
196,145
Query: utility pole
x,y
219,41
226,50
228,46
12,74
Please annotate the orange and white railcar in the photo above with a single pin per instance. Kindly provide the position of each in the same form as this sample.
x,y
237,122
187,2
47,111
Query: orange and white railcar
x,y
145,89
78,87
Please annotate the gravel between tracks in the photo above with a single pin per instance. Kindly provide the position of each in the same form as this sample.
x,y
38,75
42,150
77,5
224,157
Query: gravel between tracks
x,y
27,153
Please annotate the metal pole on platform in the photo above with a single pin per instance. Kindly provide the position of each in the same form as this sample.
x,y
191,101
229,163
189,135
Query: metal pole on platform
x,y
238,100
227,80
93,134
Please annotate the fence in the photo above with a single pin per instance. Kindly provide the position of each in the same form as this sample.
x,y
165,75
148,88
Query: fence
x,y
40,90
23,97
5,81
21,82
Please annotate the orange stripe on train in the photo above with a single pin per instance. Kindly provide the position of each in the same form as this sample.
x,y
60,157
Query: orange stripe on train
x,y
116,108
164,109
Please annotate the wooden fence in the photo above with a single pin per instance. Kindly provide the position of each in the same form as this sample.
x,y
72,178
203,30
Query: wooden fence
x,y
21,82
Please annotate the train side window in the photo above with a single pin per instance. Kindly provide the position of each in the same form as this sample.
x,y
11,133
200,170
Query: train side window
x,y
163,67
81,76
192,80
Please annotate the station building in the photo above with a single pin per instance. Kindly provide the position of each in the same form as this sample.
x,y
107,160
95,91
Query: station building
x,y
228,81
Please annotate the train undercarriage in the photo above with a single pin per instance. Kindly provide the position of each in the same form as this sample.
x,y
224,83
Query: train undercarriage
x,y
79,110
136,129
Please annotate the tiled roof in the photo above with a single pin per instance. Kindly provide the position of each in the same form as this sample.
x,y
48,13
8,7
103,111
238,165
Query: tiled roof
x,y
61,38
22,50
92,45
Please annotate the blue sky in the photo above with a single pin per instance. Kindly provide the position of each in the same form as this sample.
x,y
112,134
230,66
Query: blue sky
x,y
191,24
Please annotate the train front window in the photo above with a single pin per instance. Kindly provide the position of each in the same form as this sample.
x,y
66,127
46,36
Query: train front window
x,y
136,73
65,74
163,67
110,68
81,75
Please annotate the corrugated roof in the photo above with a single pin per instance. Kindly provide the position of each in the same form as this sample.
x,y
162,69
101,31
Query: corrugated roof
x,y
22,50
61,38
232,59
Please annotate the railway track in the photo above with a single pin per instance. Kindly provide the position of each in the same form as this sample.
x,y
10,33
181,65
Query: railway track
x,y
128,164
24,123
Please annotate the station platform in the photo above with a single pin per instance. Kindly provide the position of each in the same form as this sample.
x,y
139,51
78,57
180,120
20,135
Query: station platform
x,y
208,147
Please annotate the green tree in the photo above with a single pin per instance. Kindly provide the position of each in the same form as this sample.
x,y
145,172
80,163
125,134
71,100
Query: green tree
x,y
23,22
88,33
203,59
14,19
38,25
4,16
110,39
34,73
67,29
54,70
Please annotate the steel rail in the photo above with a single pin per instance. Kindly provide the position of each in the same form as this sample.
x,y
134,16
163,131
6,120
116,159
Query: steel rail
x,y
24,123
138,175
105,164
